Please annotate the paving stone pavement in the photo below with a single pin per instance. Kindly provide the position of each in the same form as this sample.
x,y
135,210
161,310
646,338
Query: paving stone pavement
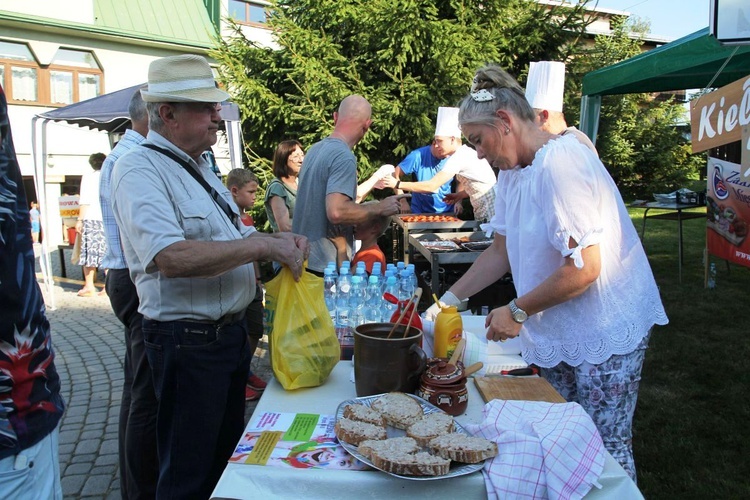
x,y
89,348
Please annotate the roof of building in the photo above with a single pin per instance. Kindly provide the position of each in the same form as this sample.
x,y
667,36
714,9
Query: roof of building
x,y
167,20
174,22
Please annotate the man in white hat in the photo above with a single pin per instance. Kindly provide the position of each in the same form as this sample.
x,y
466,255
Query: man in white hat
x,y
475,176
545,87
192,265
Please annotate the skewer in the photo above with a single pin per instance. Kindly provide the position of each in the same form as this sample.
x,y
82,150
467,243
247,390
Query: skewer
x,y
401,316
417,297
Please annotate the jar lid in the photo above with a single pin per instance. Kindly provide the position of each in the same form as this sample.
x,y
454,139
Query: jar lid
x,y
440,372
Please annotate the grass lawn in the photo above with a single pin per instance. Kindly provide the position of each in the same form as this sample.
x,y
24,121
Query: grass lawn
x,y
692,423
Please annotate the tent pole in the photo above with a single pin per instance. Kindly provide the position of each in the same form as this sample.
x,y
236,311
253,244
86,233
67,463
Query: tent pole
x,y
40,183
590,108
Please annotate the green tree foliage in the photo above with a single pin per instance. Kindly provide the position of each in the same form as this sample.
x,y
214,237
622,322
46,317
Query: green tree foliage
x,y
639,141
407,57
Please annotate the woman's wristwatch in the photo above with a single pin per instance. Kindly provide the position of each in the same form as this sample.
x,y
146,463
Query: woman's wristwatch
x,y
518,314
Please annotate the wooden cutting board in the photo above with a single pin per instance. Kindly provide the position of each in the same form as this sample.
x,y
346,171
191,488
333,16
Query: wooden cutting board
x,y
517,388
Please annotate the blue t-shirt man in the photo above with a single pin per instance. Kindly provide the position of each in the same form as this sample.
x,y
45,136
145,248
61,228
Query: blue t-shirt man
x,y
424,165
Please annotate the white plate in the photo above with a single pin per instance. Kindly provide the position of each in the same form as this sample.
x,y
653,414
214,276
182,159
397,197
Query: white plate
x,y
456,469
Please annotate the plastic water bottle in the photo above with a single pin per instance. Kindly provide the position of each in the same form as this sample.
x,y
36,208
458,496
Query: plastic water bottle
x,y
391,286
400,265
712,276
343,289
361,271
377,269
413,276
406,287
329,293
373,300
357,302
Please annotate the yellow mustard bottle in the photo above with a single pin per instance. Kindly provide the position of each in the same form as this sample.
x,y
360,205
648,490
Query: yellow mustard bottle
x,y
449,328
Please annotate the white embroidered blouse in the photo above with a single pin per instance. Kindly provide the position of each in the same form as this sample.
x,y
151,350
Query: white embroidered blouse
x,y
567,193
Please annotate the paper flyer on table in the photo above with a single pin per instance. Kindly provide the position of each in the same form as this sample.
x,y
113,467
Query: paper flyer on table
x,y
296,440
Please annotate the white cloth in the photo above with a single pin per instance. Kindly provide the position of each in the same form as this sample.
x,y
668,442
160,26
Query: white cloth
x,y
545,450
478,178
567,193
447,123
545,85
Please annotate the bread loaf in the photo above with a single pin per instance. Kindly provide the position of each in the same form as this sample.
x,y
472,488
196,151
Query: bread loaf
x,y
401,444
463,448
363,413
354,432
415,464
400,410
430,426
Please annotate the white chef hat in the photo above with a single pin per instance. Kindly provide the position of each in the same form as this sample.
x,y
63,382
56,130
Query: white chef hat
x,y
546,85
447,123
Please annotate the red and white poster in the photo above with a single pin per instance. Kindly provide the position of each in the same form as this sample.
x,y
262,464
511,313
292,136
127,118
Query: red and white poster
x,y
728,212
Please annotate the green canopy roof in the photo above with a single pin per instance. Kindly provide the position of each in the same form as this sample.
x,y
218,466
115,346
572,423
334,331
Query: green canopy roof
x,y
690,62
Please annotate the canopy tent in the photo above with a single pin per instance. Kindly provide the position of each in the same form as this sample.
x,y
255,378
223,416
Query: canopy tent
x,y
107,113
694,61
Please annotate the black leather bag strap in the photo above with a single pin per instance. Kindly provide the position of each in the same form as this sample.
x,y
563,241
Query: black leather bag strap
x,y
220,201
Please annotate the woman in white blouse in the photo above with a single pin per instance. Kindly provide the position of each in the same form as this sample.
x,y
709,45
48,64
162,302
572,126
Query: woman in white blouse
x,y
587,298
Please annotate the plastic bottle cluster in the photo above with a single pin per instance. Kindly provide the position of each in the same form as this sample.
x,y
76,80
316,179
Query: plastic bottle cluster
x,y
353,297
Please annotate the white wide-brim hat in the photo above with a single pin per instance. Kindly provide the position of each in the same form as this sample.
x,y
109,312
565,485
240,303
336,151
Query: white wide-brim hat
x,y
186,78
545,86
447,123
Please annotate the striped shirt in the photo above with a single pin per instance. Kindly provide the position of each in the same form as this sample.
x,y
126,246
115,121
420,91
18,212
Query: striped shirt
x,y
115,258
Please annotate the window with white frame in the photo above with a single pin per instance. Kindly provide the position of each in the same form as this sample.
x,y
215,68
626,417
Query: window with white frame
x,y
73,76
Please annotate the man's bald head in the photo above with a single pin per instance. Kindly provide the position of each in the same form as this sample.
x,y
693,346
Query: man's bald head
x,y
355,107
352,119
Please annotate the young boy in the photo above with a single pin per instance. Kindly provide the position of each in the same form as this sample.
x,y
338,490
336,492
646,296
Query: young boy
x,y
243,185
368,232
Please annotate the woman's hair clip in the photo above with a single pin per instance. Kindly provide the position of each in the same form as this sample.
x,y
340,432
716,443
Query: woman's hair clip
x,y
482,95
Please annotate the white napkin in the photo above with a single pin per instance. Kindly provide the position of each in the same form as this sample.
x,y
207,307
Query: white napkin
x,y
546,450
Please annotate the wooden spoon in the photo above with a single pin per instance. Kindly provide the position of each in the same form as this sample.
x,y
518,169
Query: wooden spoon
x,y
458,352
472,369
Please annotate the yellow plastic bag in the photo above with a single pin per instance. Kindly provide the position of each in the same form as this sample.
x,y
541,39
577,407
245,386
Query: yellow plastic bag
x,y
301,338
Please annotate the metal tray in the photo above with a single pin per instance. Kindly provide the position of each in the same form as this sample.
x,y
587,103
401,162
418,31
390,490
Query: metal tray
x,y
476,246
440,245
456,469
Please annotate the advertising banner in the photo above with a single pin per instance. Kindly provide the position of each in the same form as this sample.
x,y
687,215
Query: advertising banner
x,y
718,117
728,212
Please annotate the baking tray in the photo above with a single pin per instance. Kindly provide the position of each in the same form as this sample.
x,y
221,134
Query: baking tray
x,y
456,469
440,245
476,246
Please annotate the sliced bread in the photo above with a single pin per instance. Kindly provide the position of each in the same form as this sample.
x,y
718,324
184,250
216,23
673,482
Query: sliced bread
x,y
354,432
363,413
400,410
463,448
402,444
430,426
415,464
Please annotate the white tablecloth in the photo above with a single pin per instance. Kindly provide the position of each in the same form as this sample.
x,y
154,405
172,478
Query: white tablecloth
x,y
242,481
